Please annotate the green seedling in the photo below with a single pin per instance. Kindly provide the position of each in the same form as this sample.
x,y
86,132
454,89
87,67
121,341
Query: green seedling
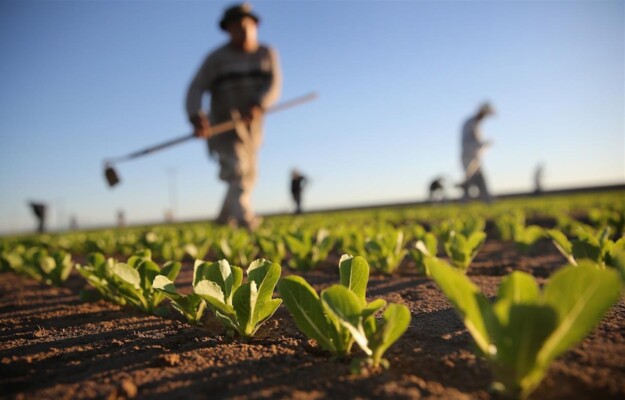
x,y
341,315
52,268
198,252
372,336
462,250
99,274
130,282
236,247
588,245
386,250
272,247
524,330
191,306
242,308
526,236
308,248
12,260
55,268
425,247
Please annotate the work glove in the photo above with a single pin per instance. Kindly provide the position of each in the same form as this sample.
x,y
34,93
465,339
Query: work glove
x,y
201,126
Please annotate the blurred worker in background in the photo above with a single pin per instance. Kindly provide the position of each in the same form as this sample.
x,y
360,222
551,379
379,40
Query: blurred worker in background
x,y
39,209
538,179
472,149
436,191
243,79
297,184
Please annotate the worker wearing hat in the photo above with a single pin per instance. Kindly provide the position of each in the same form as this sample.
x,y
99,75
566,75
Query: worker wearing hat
x,y
472,149
243,79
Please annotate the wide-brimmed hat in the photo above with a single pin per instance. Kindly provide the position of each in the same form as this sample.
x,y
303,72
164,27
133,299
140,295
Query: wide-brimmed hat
x,y
486,109
237,12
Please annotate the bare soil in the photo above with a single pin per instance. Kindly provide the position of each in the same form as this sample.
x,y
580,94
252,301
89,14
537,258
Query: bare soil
x,y
53,346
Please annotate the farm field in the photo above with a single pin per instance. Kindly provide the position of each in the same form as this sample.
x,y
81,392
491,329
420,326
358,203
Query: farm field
x,y
55,345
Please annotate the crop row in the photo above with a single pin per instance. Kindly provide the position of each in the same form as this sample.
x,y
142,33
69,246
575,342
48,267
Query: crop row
x,y
519,333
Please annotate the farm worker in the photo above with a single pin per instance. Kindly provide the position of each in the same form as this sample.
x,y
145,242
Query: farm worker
x,y
297,184
39,209
472,149
243,78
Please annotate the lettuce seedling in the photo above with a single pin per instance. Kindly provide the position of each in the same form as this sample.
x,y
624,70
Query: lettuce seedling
x,y
372,336
427,246
36,262
587,245
462,250
508,223
526,236
98,273
307,310
191,306
12,260
133,281
308,248
272,247
386,250
53,269
198,252
241,307
235,247
525,329
341,314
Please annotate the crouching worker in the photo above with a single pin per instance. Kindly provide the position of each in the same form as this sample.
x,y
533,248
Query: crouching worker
x,y
243,79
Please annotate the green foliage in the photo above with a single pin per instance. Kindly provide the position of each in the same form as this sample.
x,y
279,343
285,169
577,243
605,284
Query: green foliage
x,y
99,274
272,247
241,307
423,248
524,330
191,306
462,250
385,251
130,282
50,267
612,217
12,259
597,247
341,315
199,251
508,223
236,246
526,236
308,248
466,226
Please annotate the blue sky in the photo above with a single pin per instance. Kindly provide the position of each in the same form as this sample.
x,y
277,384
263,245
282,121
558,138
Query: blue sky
x,y
83,81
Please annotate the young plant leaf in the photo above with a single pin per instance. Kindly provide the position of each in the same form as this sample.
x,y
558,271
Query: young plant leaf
x,y
354,275
305,306
472,307
580,296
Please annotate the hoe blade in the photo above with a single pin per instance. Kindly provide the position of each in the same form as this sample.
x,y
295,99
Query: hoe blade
x,y
111,176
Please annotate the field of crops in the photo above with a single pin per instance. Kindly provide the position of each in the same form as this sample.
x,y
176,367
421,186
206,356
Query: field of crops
x,y
522,298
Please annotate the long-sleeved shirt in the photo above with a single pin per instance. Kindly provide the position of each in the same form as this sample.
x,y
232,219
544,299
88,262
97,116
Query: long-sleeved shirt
x,y
235,80
471,141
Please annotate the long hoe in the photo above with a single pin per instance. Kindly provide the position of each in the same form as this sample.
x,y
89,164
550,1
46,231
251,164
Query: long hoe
x,y
112,178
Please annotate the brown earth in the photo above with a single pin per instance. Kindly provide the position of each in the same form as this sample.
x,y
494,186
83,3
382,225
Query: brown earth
x,y
53,346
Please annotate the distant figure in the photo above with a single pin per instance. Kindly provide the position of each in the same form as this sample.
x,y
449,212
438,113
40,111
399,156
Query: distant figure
x,y
39,209
297,184
121,219
472,149
538,178
73,223
437,190
243,78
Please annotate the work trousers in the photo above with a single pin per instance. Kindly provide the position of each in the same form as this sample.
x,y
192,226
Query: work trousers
x,y
237,160
477,179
